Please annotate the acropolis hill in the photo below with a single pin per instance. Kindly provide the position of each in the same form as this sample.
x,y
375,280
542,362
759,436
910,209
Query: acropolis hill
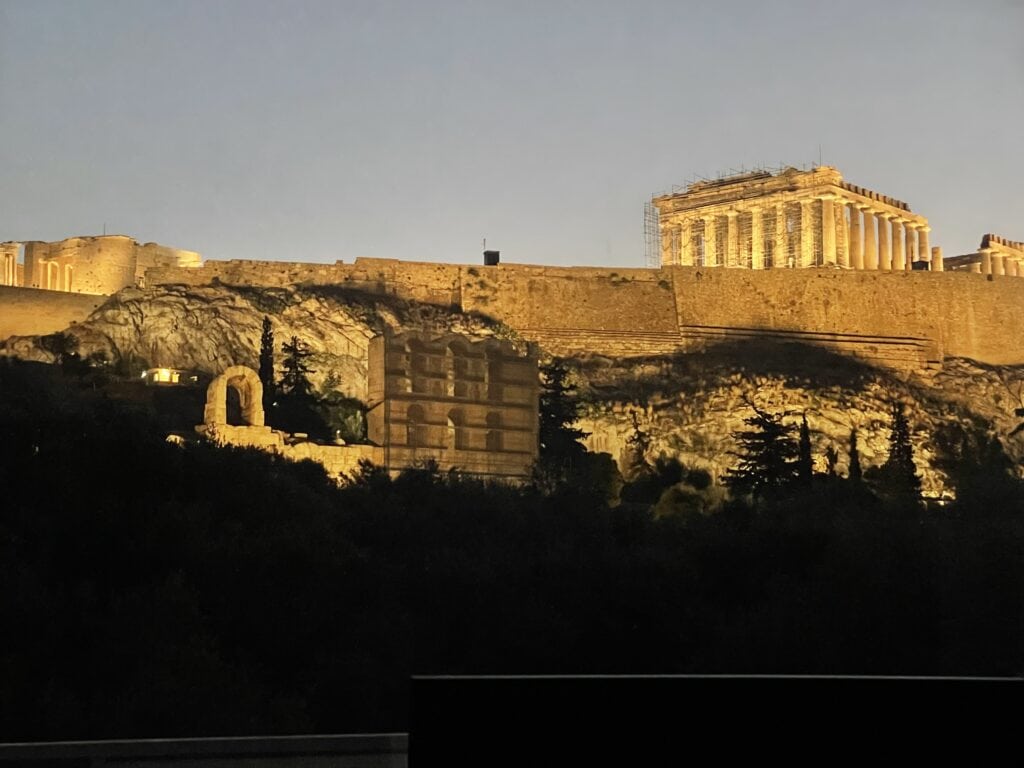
x,y
760,264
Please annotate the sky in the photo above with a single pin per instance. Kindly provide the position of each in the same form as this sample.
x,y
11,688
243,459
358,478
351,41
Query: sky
x,y
318,131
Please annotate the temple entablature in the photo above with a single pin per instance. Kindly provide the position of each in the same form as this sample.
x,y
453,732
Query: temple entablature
x,y
995,256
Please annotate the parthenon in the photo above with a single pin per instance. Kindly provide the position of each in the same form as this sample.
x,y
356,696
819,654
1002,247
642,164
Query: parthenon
x,y
791,218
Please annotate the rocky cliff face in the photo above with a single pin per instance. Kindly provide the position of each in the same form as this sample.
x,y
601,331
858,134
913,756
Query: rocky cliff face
x,y
689,404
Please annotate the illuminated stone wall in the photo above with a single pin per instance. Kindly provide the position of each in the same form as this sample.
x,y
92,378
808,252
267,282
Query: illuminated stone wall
x,y
903,319
29,312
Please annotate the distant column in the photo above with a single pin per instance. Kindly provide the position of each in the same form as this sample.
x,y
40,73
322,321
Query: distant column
x,y
780,257
998,264
884,252
898,259
937,265
923,251
732,253
986,261
756,239
910,246
856,257
828,231
870,244
806,234
710,242
686,246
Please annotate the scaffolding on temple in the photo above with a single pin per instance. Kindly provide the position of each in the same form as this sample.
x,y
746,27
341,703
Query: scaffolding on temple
x,y
652,236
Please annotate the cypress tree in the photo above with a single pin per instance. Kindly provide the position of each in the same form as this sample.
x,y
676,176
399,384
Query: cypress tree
x,y
901,477
266,371
768,456
805,464
855,473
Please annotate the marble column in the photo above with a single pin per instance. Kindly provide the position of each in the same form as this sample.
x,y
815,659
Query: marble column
x,y
937,265
898,259
910,245
828,231
998,264
686,247
870,243
711,241
732,254
923,251
756,239
884,252
856,257
780,256
806,234
986,261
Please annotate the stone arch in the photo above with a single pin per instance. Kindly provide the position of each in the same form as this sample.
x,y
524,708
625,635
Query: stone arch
x,y
416,427
247,383
458,434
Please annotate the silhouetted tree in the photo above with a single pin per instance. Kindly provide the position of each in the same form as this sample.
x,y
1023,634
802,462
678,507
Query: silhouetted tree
x,y
855,473
768,456
561,452
805,464
267,363
637,445
898,479
295,379
831,460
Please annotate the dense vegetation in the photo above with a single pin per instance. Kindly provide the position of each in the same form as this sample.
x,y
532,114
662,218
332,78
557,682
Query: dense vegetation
x,y
158,590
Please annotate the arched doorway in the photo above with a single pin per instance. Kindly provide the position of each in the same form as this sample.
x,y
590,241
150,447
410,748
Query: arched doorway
x,y
246,383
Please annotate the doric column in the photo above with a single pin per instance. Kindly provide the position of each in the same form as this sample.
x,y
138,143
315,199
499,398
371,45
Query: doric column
x,y
937,265
856,257
828,231
870,243
976,268
986,261
843,236
686,247
923,251
756,239
710,241
806,234
998,264
732,251
884,252
910,245
780,255
898,260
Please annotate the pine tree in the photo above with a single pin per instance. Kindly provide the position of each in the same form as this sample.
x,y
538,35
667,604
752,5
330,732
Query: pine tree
x,y
562,456
267,362
768,459
295,380
559,410
805,464
901,479
855,473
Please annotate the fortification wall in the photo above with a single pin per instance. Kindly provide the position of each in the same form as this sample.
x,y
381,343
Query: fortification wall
x,y
899,319
30,311
963,315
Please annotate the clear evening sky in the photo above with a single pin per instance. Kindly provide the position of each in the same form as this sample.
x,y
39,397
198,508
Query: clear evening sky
x,y
318,131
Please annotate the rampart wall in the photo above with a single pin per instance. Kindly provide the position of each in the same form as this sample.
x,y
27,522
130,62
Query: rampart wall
x,y
31,312
902,319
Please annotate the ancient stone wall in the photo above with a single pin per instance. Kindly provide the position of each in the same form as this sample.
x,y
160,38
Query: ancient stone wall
x,y
898,319
31,312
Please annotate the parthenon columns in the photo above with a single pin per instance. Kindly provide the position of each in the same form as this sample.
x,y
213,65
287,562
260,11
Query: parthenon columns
x,y
710,241
898,259
910,241
780,249
855,245
884,252
806,234
828,230
686,244
756,239
923,251
871,258
732,251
